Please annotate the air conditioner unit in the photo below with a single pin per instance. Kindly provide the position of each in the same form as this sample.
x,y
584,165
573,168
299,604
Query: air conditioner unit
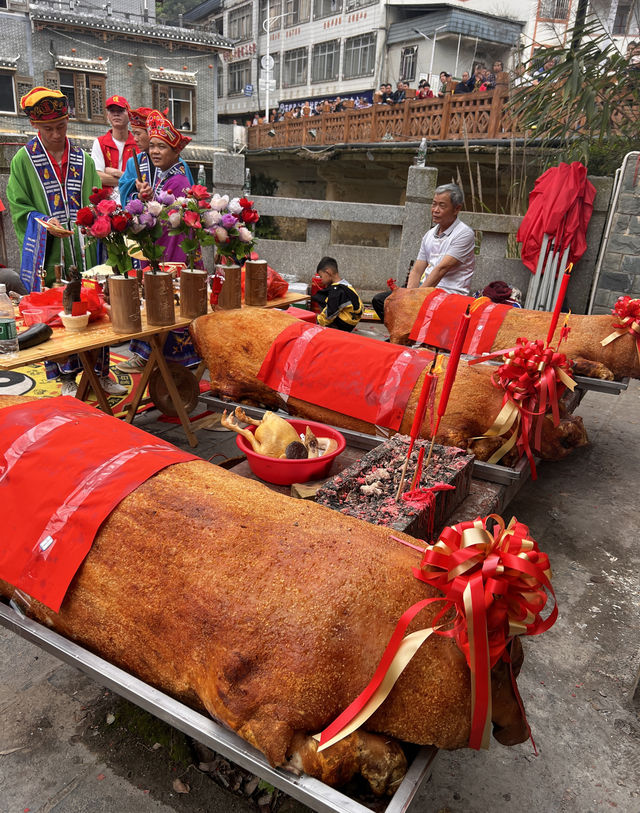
x,y
17,5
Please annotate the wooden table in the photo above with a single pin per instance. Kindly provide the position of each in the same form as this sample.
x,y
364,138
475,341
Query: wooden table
x,y
282,301
100,334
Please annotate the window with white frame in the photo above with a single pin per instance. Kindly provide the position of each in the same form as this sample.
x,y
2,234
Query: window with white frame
x,y
239,76
275,71
351,5
359,56
239,23
408,63
621,21
270,10
554,9
294,69
325,59
325,8
297,11
180,101
7,92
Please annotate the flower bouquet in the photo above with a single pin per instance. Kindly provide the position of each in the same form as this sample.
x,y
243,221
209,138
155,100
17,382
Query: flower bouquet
x,y
103,220
206,220
145,227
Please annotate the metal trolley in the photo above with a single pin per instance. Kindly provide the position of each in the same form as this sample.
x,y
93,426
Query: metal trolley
x,y
312,792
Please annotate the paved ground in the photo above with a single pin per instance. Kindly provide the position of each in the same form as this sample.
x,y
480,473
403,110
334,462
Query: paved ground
x,y
67,746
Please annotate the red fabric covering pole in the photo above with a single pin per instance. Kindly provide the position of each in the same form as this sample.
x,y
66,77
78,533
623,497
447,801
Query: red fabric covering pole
x,y
560,205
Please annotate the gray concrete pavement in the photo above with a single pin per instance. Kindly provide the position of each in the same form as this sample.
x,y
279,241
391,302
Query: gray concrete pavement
x,y
68,746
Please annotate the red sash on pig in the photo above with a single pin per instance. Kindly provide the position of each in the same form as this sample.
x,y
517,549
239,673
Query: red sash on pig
x,y
439,317
65,468
335,370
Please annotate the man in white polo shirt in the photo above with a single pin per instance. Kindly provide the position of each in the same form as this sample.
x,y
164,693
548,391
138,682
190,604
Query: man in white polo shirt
x,y
447,252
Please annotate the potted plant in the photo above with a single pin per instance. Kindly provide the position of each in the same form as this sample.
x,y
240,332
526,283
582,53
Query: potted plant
x,y
105,221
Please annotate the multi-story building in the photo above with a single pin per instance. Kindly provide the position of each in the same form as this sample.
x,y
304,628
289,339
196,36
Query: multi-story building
x,y
90,51
289,51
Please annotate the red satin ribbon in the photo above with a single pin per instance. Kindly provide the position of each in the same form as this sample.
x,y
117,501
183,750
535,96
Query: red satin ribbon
x,y
534,378
498,582
628,312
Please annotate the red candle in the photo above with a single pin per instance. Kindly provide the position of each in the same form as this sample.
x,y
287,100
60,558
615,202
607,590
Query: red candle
x,y
559,302
452,364
421,409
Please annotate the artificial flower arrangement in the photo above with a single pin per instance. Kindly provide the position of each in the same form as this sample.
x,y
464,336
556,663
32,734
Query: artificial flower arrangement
x,y
206,219
145,228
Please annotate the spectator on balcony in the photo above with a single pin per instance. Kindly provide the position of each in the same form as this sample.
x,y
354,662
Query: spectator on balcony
x,y
520,78
341,305
387,94
399,95
542,73
424,90
466,84
444,83
447,252
480,77
492,75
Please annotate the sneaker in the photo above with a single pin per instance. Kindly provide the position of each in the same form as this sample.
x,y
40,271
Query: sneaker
x,y
112,387
135,364
69,388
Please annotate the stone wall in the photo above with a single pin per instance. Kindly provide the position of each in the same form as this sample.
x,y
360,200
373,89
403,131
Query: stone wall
x,y
619,268
368,268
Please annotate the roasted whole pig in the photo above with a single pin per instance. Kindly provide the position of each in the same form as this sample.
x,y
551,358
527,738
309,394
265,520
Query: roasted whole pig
x,y
617,360
234,344
271,614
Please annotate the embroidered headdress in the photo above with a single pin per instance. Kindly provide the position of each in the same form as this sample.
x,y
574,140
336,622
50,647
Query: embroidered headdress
x,y
45,105
139,116
160,127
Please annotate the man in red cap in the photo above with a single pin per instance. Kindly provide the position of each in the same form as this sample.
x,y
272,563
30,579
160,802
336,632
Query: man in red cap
x,y
111,151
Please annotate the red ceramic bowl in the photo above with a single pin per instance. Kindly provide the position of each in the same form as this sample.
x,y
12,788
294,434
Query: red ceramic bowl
x,y
285,472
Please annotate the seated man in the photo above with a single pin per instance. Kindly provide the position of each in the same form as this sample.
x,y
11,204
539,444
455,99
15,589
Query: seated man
x,y
341,305
447,252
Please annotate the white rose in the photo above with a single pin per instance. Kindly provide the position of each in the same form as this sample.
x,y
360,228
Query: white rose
x,y
219,202
244,235
234,206
154,207
182,201
174,219
211,217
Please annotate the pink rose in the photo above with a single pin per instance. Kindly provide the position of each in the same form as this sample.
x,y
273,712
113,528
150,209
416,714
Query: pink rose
x,y
102,225
107,207
244,235
221,235
174,218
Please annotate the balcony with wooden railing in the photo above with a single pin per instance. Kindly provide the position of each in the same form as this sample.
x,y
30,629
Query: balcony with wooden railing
x,y
475,116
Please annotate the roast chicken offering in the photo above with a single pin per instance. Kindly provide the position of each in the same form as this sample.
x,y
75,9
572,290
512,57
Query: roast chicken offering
x,y
616,360
272,614
234,344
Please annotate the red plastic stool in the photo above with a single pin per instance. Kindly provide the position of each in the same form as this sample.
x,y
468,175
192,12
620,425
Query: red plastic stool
x,y
300,313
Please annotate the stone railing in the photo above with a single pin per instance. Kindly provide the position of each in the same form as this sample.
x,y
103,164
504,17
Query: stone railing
x,y
474,116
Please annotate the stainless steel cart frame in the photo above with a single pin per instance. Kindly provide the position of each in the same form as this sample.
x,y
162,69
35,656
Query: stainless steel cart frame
x,y
315,794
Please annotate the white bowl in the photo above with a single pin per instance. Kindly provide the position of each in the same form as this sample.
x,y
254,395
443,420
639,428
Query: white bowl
x,y
74,322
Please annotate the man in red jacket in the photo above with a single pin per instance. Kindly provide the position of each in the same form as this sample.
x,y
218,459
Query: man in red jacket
x,y
111,151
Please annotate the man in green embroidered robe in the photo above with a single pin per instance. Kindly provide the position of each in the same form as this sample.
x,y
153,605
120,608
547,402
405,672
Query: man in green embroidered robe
x,y
50,181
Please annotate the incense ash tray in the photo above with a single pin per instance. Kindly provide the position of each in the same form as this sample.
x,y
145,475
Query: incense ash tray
x,y
367,489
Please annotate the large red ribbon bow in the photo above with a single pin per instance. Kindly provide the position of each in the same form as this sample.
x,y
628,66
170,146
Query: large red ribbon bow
x,y
497,580
533,378
628,312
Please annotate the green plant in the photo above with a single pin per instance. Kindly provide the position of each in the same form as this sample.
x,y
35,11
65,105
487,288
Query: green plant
x,y
266,227
586,104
